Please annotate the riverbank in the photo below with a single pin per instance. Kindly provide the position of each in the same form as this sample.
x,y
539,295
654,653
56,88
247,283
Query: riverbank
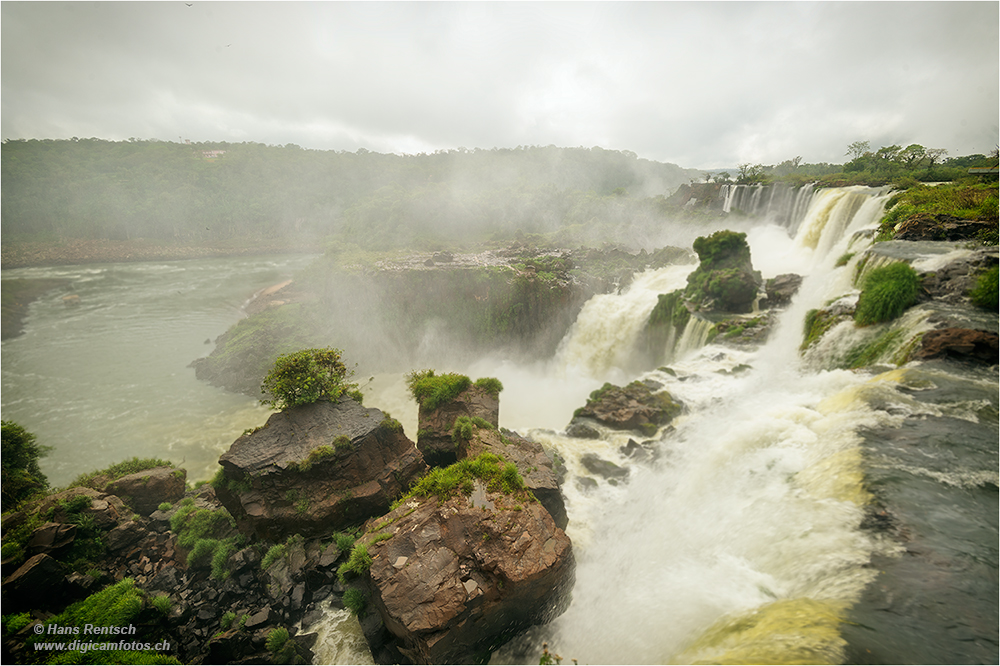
x,y
72,251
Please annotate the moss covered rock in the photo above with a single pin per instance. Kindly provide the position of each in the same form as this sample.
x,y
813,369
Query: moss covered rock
x,y
725,280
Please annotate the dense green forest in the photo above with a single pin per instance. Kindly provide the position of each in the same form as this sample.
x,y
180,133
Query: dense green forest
x,y
208,193
91,188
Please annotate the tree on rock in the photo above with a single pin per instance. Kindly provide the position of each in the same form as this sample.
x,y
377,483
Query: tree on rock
x,y
307,376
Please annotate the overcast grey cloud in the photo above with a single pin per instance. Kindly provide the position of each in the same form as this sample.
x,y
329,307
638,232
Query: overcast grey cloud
x,y
699,84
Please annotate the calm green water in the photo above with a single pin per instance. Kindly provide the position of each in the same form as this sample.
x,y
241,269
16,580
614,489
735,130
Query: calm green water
x,y
108,379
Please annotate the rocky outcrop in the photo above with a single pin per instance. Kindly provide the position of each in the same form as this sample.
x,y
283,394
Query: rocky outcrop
x,y
434,425
725,280
535,465
316,468
455,579
146,490
960,344
939,227
780,290
632,407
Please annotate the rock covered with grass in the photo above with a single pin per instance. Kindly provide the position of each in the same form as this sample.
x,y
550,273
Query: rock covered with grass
x,y
443,399
316,467
632,407
466,560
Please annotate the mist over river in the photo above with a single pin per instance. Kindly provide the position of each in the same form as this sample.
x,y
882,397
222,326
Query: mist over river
x,y
743,539
108,378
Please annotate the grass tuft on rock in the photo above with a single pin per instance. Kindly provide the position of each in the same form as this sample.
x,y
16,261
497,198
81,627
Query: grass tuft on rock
x,y
432,391
886,293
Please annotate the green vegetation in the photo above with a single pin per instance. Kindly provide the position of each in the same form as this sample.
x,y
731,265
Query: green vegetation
x,y
17,622
465,426
22,477
432,391
274,553
164,506
873,351
491,385
227,620
306,376
322,452
206,535
114,606
817,323
962,200
358,562
390,423
885,293
118,470
276,639
843,259
446,482
984,294
162,603
355,601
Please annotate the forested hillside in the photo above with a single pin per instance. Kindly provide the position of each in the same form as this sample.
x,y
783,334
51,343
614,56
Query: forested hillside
x,y
191,193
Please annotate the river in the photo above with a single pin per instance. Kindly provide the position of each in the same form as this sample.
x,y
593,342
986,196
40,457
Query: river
x,y
747,539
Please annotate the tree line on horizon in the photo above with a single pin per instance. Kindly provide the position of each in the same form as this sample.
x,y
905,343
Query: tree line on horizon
x,y
245,192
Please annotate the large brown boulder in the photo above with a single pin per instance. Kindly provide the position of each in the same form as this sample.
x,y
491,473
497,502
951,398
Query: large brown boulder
x,y
959,343
316,468
632,407
457,578
434,426
145,491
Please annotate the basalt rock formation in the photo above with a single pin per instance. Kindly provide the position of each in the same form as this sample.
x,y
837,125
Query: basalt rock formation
x,y
725,280
456,579
317,468
435,424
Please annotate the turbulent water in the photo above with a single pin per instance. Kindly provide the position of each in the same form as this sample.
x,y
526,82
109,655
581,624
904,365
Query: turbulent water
x,y
741,541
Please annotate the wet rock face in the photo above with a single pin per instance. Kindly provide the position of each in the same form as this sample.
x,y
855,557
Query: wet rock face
x,y
780,290
961,344
317,468
457,578
632,407
435,425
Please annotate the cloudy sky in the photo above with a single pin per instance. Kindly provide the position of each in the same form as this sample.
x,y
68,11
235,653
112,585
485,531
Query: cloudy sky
x,y
700,84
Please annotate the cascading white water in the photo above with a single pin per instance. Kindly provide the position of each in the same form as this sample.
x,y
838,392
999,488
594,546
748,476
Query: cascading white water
x,y
742,542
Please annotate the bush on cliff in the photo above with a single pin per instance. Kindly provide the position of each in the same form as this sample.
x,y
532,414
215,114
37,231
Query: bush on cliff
x,y
306,376
22,477
886,292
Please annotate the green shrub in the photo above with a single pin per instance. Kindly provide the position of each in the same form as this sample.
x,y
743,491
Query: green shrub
x,y
432,391
465,427
984,294
358,562
355,601
202,551
274,553
220,558
162,603
227,620
15,623
344,542
22,477
319,453
491,385
305,377
887,291
277,639
165,506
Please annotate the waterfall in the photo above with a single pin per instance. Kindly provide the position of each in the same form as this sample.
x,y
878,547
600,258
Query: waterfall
x,y
742,543
778,204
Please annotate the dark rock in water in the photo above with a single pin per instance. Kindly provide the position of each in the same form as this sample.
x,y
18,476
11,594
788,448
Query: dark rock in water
x,y
435,425
585,483
959,343
454,580
317,468
637,451
578,428
633,407
780,290
145,491
603,468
